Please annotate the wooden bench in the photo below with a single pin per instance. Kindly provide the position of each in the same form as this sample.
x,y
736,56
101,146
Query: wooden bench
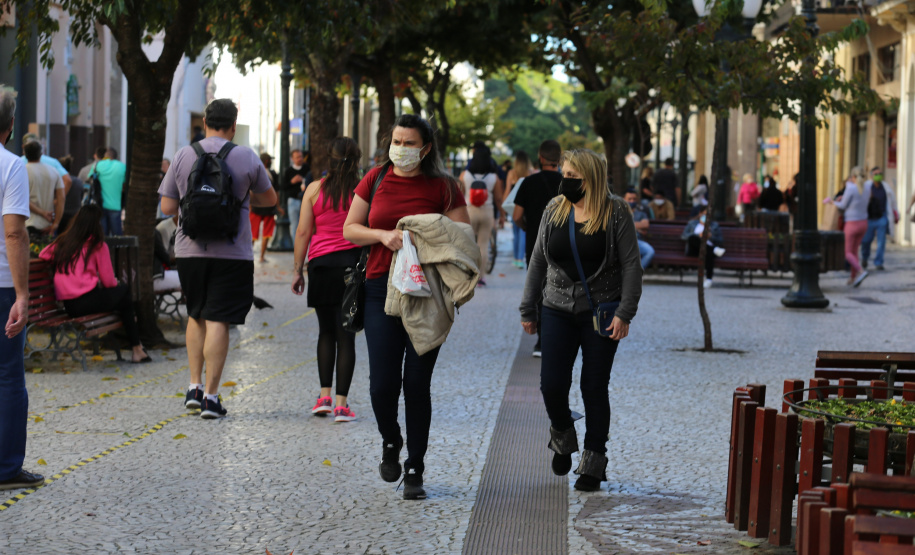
x,y
745,249
66,333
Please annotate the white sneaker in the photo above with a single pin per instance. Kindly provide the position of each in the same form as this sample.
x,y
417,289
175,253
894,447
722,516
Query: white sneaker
x,y
719,251
707,283
860,278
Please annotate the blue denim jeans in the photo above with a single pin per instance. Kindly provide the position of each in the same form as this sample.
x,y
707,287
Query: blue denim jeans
x,y
111,222
518,240
393,362
14,399
293,207
879,228
646,253
563,334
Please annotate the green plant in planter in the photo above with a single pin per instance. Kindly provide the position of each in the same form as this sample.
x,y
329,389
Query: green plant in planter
x,y
899,413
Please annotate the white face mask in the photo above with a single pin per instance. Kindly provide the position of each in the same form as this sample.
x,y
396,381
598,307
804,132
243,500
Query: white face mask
x,y
659,201
405,158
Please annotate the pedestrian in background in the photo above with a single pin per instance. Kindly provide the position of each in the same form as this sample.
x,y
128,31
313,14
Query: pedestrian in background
x,y
14,306
295,180
749,192
771,198
217,275
74,197
853,203
480,201
662,207
609,264
882,217
667,183
692,234
47,160
111,174
84,279
645,184
521,170
641,220
534,194
98,155
415,182
46,194
699,194
320,235
263,218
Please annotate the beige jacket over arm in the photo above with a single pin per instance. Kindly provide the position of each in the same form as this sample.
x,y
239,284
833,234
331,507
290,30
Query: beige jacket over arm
x,y
451,261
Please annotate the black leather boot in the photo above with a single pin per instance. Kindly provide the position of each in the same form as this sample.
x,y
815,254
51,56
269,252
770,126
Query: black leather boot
x,y
592,470
563,444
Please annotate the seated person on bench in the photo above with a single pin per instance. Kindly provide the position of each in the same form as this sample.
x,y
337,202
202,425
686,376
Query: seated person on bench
x,y
165,278
84,279
692,234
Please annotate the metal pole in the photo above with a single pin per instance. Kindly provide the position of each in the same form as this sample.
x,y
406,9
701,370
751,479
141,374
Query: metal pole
x,y
282,240
805,289
722,176
354,102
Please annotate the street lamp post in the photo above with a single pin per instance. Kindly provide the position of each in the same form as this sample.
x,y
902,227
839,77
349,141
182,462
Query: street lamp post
x,y
282,239
805,289
750,11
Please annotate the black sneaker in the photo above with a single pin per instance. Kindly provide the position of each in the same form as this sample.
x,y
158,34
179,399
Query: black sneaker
x,y
413,485
24,479
193,399
880,267
390,461
210,409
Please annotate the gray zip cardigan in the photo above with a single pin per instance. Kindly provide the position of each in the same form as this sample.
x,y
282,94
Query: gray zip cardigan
x,y
619,275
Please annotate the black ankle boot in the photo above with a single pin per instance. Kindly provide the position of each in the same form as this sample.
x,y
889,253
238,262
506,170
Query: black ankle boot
x,y
592,470
563,444
390,461
413,485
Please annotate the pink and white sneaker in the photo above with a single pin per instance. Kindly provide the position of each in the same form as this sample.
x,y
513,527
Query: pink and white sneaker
x,y
323,407
344,414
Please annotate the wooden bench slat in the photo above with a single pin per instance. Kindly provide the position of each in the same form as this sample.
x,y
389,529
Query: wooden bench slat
x,y
882,525
864,360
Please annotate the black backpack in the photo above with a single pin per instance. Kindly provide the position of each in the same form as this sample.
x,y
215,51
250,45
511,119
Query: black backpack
x,y
210,209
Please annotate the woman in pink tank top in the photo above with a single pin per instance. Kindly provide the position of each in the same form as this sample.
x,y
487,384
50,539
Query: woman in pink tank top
x,y
320,233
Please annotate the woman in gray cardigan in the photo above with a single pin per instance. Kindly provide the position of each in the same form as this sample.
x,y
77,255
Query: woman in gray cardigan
x,y
609,253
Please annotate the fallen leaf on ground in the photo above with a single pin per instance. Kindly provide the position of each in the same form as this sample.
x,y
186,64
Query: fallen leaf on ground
x,y
97,358
179,436
326,462
270,337
36,370
749,544
42,462
229,384
47,390
126,434
501,275
103,395
129,376
38,419
704,542
265,324
109,379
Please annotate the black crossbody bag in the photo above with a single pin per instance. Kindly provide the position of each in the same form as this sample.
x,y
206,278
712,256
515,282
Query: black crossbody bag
x,y
354,277
602,314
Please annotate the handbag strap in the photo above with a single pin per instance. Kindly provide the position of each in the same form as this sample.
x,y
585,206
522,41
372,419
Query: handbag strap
x,y
581,270
364,256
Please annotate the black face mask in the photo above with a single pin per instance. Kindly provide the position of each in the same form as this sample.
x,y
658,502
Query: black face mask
x,y
571,189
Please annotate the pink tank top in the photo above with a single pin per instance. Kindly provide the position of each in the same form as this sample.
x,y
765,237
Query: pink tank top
x,y
328,235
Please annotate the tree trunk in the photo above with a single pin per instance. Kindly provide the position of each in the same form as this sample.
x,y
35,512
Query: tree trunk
x,y
384,85
612,129
142,198
703,252
323,124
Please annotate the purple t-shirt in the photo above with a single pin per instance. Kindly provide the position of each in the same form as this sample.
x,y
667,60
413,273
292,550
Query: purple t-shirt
x,y
247,173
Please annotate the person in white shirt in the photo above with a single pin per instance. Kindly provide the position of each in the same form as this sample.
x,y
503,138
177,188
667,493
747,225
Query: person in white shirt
x,y
14,306
53,163
46,193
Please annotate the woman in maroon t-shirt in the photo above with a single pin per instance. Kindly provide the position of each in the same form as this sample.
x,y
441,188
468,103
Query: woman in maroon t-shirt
x,y
415,182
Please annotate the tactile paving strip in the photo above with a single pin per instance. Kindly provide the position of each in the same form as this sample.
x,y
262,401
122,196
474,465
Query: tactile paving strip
x,y
522,507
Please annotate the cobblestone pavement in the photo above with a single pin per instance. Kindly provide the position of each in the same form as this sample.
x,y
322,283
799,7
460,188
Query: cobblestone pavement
x,y
131,472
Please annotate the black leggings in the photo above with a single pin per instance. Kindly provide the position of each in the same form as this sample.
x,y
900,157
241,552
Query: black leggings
x,y
693,246
336,347
107,299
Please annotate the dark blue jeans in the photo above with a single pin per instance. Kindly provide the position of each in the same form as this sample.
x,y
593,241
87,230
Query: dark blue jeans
x,y
393,363
111,222
563,334
14,399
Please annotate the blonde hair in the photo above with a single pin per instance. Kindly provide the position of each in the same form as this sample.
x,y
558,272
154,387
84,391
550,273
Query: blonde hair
x,y
647,172
859,183
593,173
523,166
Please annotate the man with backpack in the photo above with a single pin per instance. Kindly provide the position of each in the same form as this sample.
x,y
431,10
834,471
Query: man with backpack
x,y
210,185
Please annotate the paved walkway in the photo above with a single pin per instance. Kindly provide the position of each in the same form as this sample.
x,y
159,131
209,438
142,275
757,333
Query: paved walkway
x,y
131,472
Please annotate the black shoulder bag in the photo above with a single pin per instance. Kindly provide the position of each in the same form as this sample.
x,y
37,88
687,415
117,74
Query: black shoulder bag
x,y
354,278
602,314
